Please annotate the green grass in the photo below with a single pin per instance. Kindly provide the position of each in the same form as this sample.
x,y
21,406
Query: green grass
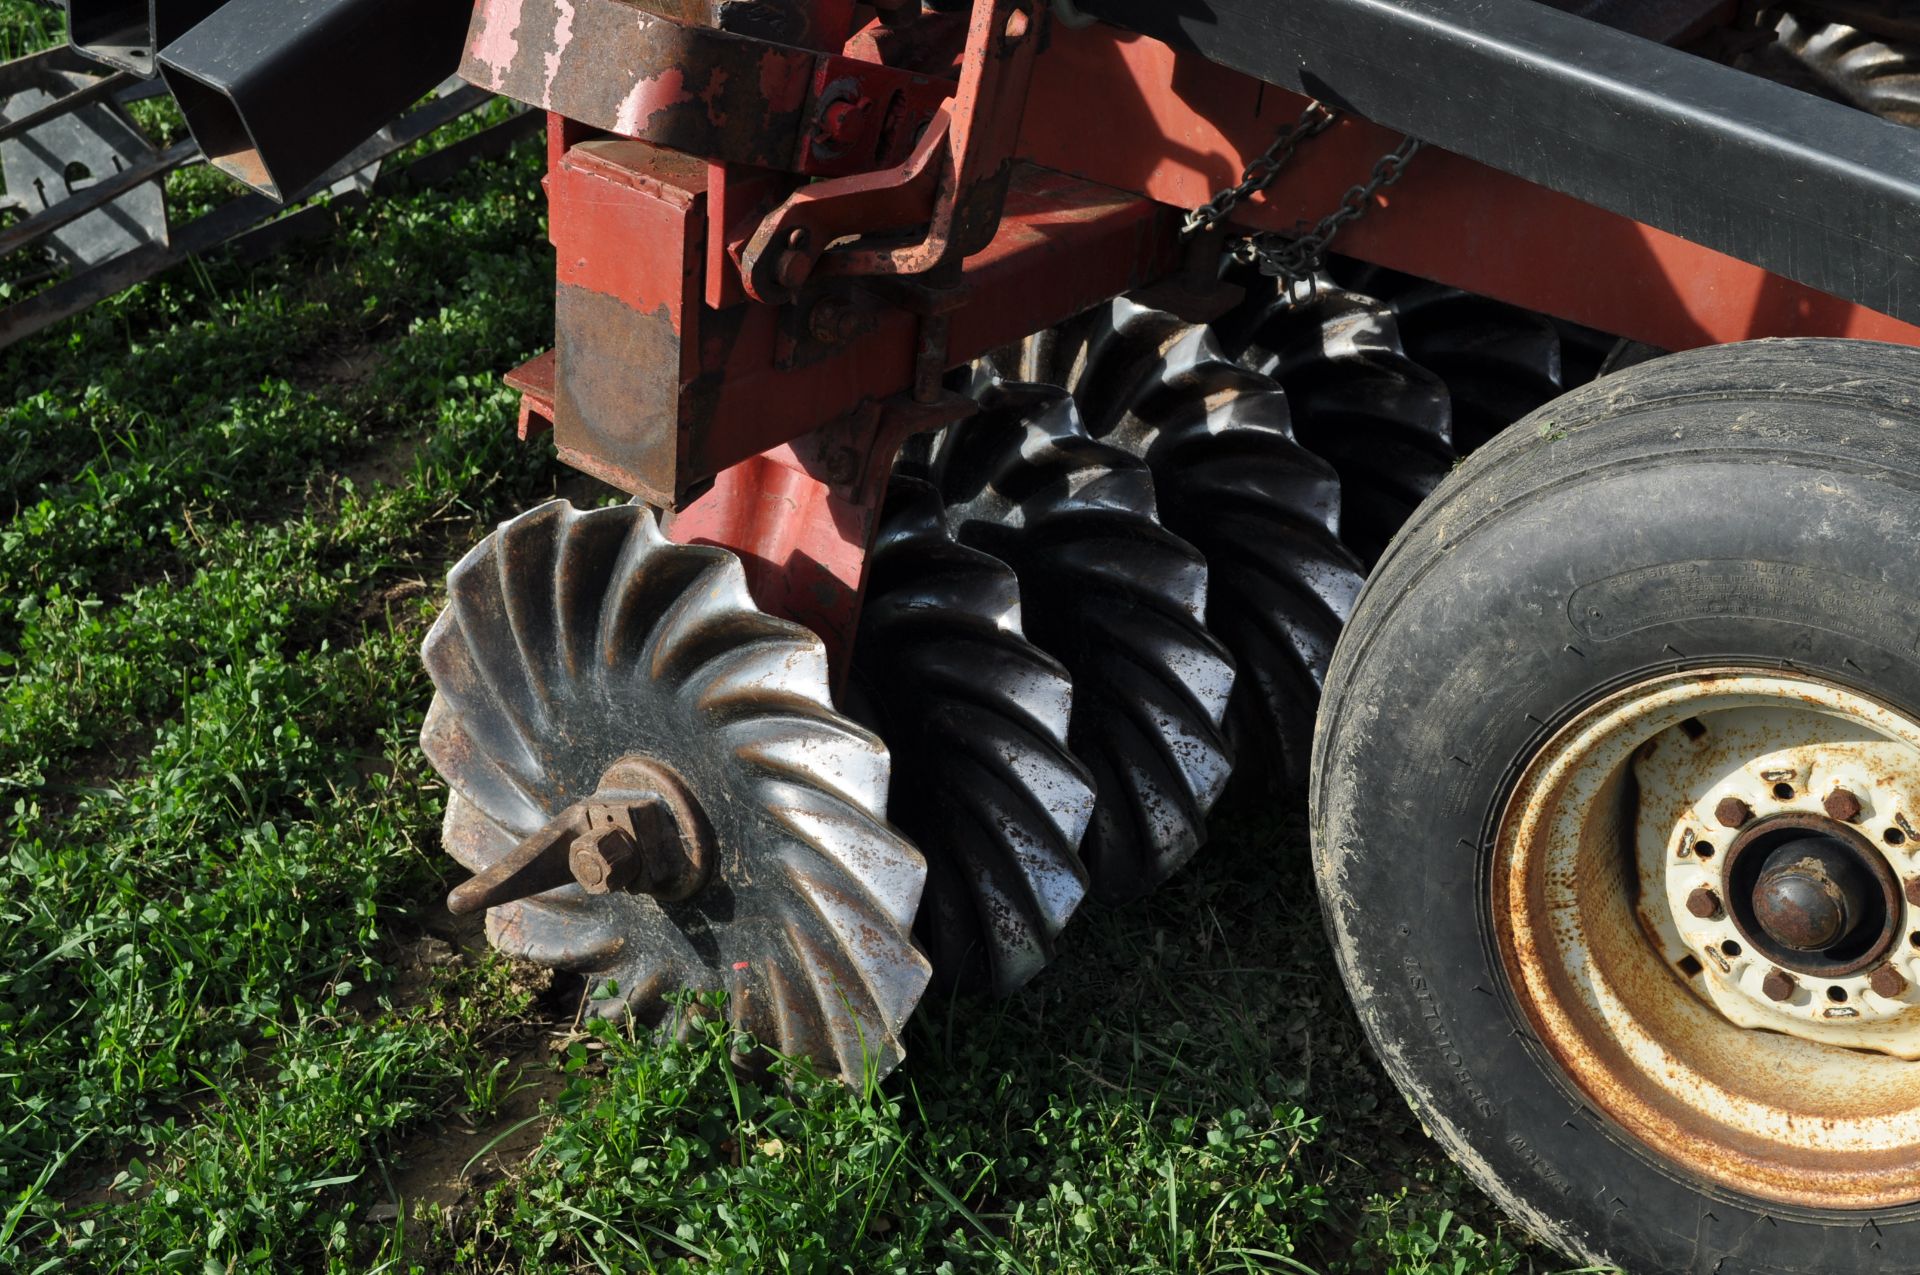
x,y
237,1031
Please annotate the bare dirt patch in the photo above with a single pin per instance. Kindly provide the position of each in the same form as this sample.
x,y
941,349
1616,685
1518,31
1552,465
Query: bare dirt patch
x,y
444,1168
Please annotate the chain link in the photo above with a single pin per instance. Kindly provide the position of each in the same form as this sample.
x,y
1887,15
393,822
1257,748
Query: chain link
x,y
1316,119
1295,258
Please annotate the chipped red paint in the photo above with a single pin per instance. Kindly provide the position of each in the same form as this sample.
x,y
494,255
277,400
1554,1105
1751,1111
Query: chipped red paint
x,y
953,183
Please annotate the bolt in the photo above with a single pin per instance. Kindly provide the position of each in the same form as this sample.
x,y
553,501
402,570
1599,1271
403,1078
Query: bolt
x,y
1888,982
1732,812
833,322
604,860
842,122
1778,985
1843,805
843,465
1704,903
1913,891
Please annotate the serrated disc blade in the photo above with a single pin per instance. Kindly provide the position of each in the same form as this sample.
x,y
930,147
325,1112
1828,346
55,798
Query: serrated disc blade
x,y
571,640
1116,598
1358,400
1232,481
1855,65
975,717
1498,362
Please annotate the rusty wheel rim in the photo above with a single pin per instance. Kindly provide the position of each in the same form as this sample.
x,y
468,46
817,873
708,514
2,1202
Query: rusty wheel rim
x,y
1616,914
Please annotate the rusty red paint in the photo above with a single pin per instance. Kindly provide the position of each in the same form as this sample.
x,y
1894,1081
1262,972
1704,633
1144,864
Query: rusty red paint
x,y
609,65
534,380
1063,246
707,92
628,225
863,121
802,516
954,182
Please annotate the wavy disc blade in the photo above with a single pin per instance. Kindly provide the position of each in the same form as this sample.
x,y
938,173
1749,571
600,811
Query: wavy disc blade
x,y
1232,481
975,717
1116,598
1498,361
571,640
1383,421
1856,65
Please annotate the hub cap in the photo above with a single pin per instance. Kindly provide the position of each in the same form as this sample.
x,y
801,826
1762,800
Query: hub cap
x,y
1700,898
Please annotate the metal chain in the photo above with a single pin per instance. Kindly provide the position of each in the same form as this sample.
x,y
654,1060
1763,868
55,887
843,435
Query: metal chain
x,y
1261,172
1296,259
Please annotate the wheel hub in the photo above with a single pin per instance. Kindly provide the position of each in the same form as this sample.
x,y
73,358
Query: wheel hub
x,y
1812,894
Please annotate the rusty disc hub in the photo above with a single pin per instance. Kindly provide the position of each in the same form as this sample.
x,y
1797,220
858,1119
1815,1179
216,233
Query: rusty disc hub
x,y
1703,899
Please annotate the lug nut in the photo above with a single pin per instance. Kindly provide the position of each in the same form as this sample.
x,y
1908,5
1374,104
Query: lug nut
x,y
1704,903
1732,812
1778,985
1842,805
1888,982
1913,891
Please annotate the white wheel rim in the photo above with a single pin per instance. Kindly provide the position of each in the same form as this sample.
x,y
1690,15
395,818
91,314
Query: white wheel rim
x,y
1662,1017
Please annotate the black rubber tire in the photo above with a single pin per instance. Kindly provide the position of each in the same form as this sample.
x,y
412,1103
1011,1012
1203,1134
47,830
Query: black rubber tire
x,y
1755,504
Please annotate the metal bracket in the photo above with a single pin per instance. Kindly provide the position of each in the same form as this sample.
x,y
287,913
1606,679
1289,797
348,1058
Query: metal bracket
x,y
955,182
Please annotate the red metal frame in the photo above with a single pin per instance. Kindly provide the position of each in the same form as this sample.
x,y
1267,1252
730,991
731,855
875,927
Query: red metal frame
x,y
1449,219
771,425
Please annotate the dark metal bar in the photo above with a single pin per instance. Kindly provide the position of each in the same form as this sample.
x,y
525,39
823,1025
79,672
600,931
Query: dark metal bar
x,y
102,87
254,220
276,94
1667,21
1809,189
127,33
99,195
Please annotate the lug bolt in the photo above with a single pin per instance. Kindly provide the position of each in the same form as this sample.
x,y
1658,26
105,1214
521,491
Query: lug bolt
x,y
1888,982
1704,903
1842,805
1913,891
1732,812
1778,985
842,122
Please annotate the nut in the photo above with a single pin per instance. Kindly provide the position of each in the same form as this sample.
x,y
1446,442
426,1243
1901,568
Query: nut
x,y
1732,812
1888,982
1778,985
604,860
1913,891
1704,903
1842,805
